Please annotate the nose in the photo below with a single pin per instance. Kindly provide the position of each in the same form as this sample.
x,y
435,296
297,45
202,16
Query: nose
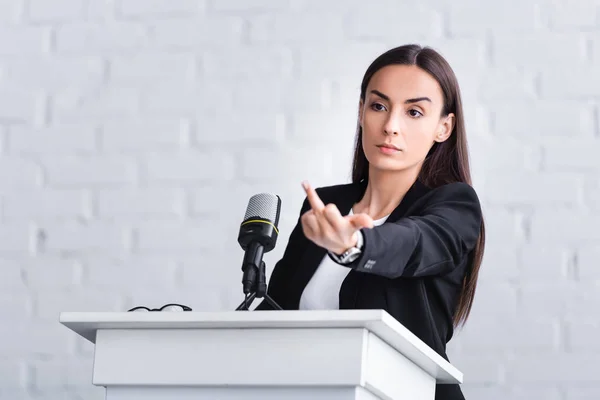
x,y
392,125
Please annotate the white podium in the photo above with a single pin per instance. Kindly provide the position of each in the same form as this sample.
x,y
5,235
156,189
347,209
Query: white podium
x,y
266,355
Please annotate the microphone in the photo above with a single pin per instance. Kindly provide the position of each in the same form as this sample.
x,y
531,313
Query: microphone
x,y
258,235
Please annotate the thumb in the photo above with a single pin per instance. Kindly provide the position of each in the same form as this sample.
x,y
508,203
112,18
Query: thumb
x,y
360,221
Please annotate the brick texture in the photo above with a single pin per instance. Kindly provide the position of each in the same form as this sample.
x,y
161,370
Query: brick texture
x,y
133,132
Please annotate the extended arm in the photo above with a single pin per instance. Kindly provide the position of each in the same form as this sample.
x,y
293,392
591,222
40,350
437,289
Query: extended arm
x,y
431,243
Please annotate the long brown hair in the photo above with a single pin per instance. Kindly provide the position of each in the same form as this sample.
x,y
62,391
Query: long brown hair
x,y
447,161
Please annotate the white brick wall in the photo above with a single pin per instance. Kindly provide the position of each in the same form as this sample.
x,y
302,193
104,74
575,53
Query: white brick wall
x,y
133,132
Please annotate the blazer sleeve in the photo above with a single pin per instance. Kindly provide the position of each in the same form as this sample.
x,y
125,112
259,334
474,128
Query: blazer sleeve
x,y
285,268
430,243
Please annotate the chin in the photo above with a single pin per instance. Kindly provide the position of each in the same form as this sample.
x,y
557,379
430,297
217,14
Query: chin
x,y
387,164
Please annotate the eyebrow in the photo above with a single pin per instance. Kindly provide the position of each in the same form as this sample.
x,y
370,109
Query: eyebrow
x,y
407,101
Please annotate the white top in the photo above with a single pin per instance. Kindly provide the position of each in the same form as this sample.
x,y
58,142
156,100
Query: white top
x,y
322,291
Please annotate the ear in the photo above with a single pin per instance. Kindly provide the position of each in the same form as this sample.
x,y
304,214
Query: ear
x,y
445,128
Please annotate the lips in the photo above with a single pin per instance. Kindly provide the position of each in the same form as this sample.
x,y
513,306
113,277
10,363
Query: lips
x,y
388,146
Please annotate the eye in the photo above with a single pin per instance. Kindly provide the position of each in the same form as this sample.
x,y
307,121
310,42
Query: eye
x,y
414,113
375,105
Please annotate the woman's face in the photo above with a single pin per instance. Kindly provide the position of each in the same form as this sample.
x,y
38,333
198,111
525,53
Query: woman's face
x,y
402,109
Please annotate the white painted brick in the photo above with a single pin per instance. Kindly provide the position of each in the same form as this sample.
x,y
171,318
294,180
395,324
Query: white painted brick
x,y
192,33
90,171
143,135
35,338
558,82
544,263
54,273
488,294
13,375
147,68
595,48
479,368
537,189
291,164
22,40
19,106
187,100
45,204
15,237
242,62
553,368
587,263
18,173
136,271
473,17
161,236
335,129
291,28
49,304
16,307
224,197
11,276
117,37
571,155
569,298
516,83
77,105
61,139
540,119
158,7
53,74
224,128
348,66
289,95
499,154
565,227
512,392
10,12
582,335
256,5
518,334
100,10
592,193
56,375
503,227
373,23
139,203
538,49
190,166
566,16
583,393
57,10
91,238
500,262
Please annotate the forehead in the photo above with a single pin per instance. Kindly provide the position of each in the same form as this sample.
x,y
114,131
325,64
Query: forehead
x,y
401,82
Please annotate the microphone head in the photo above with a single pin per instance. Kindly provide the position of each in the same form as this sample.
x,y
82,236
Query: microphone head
x,y
265,206
261,221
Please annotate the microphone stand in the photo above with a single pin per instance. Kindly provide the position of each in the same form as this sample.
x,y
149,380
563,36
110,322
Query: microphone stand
x,y
258,290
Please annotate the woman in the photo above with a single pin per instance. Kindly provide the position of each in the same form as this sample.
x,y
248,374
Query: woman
x,y
407,235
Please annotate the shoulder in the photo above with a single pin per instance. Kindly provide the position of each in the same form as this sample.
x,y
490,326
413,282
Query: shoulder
x,y
456,200
456,191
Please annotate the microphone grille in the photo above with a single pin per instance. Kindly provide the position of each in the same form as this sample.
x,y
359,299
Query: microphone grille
x,y
264,206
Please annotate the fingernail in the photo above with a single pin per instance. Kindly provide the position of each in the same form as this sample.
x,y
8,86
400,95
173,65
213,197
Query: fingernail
x,y
305,184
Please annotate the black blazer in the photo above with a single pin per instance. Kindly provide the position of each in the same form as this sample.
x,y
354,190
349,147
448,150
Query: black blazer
x,y
412,266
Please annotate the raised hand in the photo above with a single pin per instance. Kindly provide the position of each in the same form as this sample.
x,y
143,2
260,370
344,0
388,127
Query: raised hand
x,y
326,227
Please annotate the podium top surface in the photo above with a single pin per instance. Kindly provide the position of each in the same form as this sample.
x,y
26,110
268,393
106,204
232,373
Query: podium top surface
x,y
378,322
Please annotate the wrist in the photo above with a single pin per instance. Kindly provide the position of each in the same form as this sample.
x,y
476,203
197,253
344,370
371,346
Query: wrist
x,y
351,253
